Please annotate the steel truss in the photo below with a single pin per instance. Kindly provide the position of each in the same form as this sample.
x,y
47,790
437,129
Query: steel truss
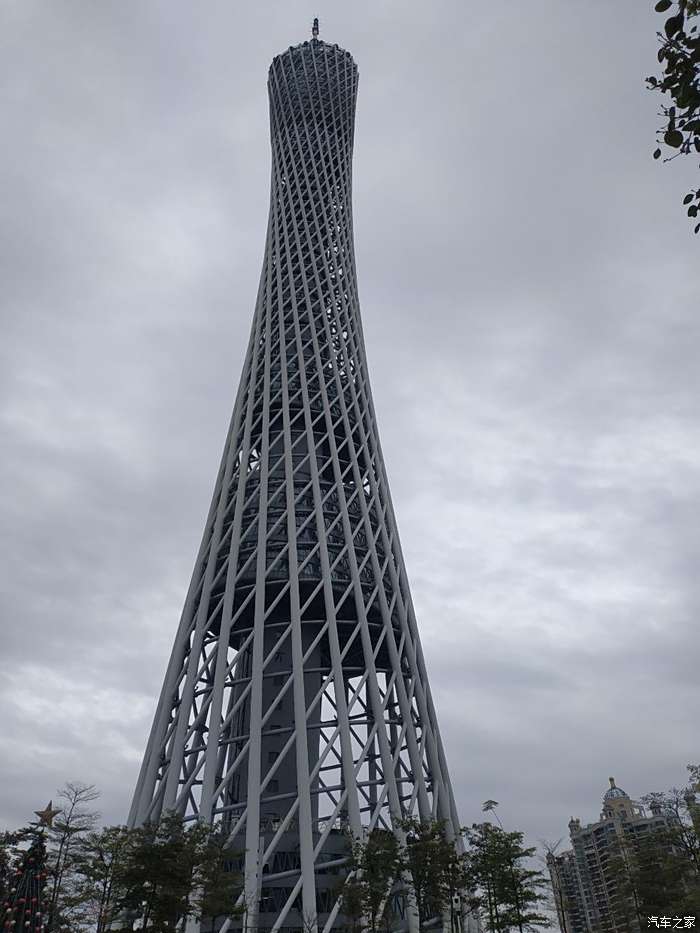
x,y
296,705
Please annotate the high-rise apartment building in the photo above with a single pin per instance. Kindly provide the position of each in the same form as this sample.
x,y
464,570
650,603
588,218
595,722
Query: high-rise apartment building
x,y
296,708
582,877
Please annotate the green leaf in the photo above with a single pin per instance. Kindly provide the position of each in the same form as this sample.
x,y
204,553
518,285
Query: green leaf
x,y
693,211
673,25
662,6
673,138
657,153
688,198
697,227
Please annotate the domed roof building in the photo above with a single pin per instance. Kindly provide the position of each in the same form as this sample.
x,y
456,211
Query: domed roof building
x,y
579,875
614,791
618,806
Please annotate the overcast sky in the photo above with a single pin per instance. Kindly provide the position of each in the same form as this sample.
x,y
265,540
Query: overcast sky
x,y
530,300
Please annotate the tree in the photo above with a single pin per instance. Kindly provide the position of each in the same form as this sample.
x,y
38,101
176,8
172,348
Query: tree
x,y
644,880
168,871
157,873
680,51
437,869
691,803
72,823
426,867
508,892
375,864
23,910
557,900
98,869
160,873
217,881
8,857
352,905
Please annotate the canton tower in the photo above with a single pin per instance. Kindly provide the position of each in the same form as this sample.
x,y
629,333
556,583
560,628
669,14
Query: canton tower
x,y
296,708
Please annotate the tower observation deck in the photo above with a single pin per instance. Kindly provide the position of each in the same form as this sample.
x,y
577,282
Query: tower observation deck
x,y
295,709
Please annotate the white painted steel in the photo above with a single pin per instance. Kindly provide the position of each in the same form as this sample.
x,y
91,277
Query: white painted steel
x,y
296,709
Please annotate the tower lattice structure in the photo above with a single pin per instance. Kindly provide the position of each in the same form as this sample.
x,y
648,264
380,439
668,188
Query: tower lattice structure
x,y
296,708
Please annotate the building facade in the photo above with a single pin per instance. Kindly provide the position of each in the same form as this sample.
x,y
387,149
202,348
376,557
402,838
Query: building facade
x,y
582,877
296,710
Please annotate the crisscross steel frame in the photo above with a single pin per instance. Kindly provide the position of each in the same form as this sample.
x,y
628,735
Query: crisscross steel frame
x,y
295,706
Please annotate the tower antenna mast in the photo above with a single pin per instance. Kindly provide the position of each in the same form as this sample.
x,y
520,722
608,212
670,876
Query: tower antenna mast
x,y
314,28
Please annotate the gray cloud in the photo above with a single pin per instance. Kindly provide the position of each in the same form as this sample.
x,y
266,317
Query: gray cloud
x,y
529,290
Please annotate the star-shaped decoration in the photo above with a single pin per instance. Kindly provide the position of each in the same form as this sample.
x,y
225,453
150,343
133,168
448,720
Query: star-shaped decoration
x,y
46,817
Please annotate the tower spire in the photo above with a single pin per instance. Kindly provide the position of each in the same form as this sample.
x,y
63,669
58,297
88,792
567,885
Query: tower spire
x,y
314,29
